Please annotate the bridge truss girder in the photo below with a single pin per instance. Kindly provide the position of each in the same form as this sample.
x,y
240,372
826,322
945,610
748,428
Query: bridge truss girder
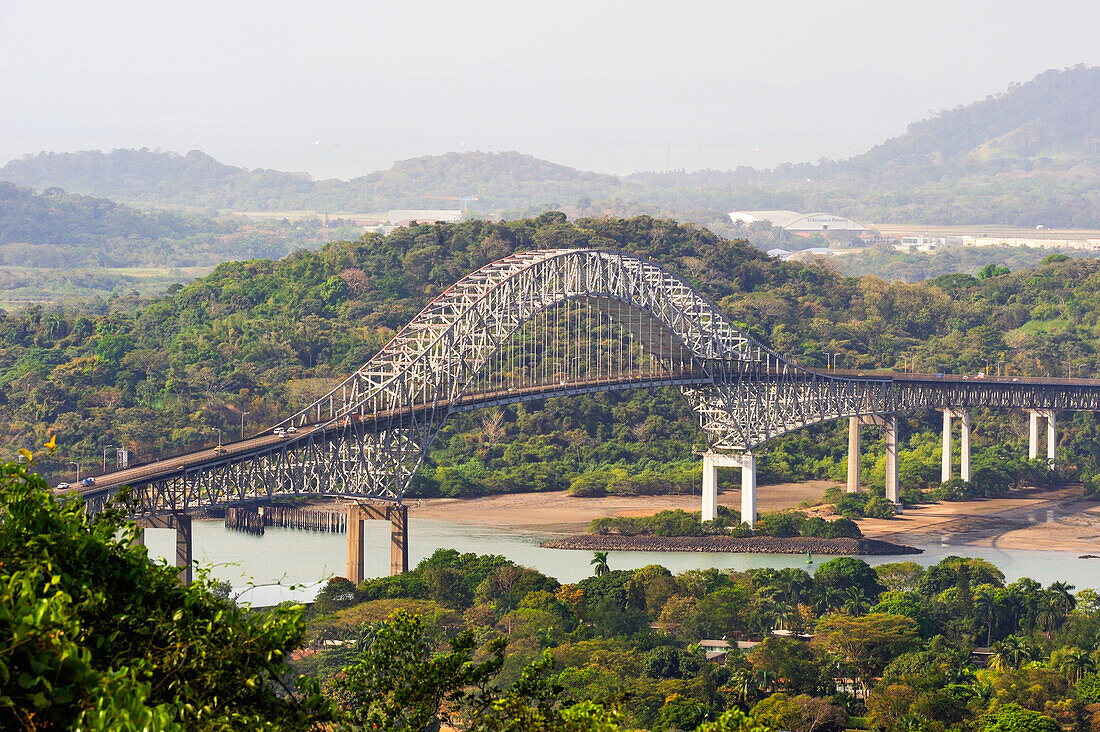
x,y
369,435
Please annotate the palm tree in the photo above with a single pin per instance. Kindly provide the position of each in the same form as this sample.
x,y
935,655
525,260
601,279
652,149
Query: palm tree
x,y
784,614
855,601
828,599
1075,663
1010,653
985,603
742,685
1062,596
766,679
1049,615
961,675
599,559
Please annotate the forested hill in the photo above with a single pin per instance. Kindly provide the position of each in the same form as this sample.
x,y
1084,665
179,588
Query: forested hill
x,y
1028,156
1025,157
1050,123
62,231
265,338
500,181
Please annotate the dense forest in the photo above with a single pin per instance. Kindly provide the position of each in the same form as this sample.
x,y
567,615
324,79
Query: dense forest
x,y
264,337
888,648
95,636
1026,157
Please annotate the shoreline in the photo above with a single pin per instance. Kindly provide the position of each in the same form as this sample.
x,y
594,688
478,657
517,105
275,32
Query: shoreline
x,y
732,545
1057,519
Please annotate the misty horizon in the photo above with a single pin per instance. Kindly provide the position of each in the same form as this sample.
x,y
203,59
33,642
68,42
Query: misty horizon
x,y
346,89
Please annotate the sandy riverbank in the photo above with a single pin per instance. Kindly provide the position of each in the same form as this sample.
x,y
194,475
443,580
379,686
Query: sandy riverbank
x,y
1055,520
560,513
1035,519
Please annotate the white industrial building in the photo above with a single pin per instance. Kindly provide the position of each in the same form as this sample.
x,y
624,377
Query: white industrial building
x,y
423,215
798,222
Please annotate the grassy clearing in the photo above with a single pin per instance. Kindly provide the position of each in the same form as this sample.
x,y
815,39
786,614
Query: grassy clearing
x,y
24,286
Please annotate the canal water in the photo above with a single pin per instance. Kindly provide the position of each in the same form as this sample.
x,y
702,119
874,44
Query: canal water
x,y
288,564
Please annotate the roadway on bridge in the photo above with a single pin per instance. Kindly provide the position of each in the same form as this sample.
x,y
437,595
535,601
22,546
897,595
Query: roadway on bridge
x,y
230,451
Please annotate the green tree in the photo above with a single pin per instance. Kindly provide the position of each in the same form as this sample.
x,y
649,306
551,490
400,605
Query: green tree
x,y
845,572
1014,718
96,636
397,684
866,643
599,561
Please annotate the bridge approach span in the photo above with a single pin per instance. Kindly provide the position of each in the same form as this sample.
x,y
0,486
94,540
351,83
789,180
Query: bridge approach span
x,y
536,325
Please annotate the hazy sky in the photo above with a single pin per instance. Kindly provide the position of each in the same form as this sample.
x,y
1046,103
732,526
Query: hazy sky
x,y
343,88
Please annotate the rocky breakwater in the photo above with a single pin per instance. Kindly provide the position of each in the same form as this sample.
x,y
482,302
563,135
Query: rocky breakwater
x,y
751,544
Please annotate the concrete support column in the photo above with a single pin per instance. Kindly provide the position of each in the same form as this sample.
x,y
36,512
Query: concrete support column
x,y
945,465
355,570
1033,435
853,454
399,539
748,489
893,490
1052,440
964,423
184,547
184,553
710,487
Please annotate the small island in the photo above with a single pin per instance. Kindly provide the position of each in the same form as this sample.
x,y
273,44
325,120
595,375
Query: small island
x,y
780,532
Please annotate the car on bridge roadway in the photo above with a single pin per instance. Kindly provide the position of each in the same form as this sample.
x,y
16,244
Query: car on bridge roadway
x,y
87,482
62,486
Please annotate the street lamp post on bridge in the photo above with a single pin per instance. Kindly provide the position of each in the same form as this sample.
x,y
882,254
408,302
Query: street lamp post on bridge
x,y
105,449
73,462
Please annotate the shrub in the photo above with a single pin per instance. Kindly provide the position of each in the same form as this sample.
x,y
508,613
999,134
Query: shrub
x,y
781,523
742,531
913,496
852,504
1088,689
955,489
879,508
822,529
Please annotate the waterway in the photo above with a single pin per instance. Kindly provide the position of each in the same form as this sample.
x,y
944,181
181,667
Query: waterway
x,y
287,564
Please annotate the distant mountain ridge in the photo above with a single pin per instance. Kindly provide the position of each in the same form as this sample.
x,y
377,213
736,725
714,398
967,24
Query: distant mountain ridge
x,y
1028,156
501,179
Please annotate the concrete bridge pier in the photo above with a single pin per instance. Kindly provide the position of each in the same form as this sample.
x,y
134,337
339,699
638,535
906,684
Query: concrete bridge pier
x,y
748,489
398,516
184,544
854,423
889,424
947,459
747,463
853,454
1033,434
947,467
893,486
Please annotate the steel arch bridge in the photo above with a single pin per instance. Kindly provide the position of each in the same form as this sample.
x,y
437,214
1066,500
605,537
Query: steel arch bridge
x,y
531,326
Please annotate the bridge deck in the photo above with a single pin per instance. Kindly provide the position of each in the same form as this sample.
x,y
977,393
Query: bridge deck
x,y
234,451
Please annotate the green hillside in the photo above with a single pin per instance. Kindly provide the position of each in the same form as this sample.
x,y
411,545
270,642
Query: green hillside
x,y
58,245
266,337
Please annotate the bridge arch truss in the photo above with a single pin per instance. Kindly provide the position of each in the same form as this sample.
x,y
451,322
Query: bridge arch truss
x,y
368,435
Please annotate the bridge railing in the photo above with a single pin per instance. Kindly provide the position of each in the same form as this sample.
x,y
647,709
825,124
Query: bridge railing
x,y
144,458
